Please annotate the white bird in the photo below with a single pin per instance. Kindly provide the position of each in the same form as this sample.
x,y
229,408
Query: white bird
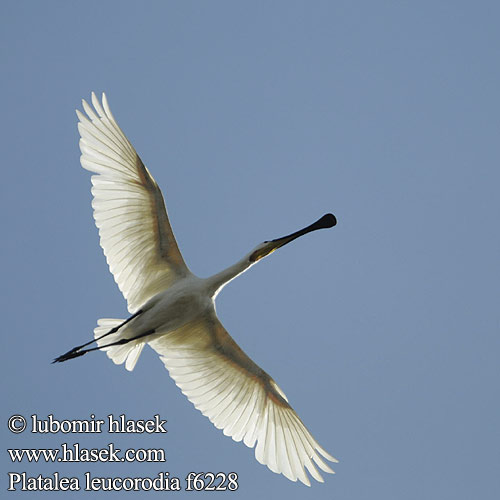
x,y
173,310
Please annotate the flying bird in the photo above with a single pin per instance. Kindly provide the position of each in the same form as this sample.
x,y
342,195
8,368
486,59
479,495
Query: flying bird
x,y
173,310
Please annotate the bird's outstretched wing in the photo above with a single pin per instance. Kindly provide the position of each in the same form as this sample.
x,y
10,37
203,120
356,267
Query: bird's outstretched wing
x,y
129,210
240,398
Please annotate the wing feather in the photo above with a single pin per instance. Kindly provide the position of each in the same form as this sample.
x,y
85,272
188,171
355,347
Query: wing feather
x,y
129,209
240,398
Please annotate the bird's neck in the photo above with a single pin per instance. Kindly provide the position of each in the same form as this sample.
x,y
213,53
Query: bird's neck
x,y
217,282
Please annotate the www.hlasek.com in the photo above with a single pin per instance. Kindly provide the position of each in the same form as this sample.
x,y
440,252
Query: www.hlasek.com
x,y
22,481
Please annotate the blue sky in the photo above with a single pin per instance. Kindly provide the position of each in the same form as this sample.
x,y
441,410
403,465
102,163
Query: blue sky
x,y
256,118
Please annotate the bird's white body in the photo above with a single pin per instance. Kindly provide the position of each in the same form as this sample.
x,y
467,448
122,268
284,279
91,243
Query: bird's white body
x,y
173,311
188,299
172,308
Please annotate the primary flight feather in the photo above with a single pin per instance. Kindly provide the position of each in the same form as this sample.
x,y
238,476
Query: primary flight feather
x,y
173,310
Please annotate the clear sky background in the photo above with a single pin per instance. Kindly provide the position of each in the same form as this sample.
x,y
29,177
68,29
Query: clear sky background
x,y
256,118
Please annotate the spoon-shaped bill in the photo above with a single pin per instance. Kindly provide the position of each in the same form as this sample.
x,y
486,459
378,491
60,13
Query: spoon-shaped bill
x,y
327,221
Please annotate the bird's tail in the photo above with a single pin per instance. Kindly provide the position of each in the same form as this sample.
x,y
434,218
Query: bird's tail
x,y
127,353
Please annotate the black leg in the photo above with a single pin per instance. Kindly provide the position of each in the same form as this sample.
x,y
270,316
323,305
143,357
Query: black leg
x,y
72,352
76,354
116,328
